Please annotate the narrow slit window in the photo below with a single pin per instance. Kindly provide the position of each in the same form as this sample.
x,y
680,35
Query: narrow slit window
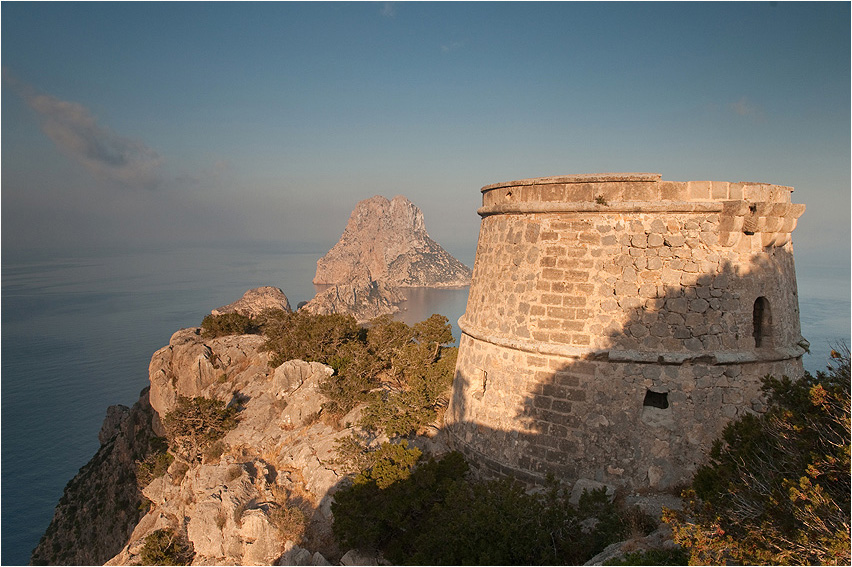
x,y
762,323
656,399
750,221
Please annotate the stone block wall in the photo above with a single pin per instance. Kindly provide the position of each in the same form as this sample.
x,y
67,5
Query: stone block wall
x,y
616,322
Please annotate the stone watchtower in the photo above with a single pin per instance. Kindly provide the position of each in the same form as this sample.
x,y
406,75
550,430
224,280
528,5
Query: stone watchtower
x,y
617,322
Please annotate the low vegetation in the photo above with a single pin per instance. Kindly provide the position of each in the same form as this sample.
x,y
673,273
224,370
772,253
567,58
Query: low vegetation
x,y
195,424
434,514
290,522
777,487
155,464
402,372
166,547
227,324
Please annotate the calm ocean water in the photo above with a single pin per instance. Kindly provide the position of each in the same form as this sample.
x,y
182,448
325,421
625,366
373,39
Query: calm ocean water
x,y
78,333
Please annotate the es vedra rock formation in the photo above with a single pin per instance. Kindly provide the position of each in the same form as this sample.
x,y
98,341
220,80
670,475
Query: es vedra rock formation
x,y
386,241
383,248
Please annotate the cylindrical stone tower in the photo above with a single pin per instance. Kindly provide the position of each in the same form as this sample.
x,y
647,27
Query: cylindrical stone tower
x,y
617,322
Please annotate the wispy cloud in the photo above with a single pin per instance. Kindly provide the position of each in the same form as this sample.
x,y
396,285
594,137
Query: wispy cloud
x,y
744,107
388,9
105,154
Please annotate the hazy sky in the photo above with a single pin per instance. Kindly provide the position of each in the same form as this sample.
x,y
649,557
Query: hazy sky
x,y
138,123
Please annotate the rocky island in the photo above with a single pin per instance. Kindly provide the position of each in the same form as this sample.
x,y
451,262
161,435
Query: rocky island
x,y
386,240
384,247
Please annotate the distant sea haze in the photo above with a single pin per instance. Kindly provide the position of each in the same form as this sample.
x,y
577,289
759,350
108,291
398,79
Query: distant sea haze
x,y
78,333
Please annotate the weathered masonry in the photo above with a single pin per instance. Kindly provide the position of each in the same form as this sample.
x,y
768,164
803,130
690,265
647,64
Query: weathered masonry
x,y
616,322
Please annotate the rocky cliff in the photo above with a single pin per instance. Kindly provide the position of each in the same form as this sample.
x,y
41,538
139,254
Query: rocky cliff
x,y
364,299
259,495
102,504
386,241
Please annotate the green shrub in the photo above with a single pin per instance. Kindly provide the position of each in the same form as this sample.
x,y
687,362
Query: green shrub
x,y
411,360
418,402
368,517
307,336
166,547
153,466
437,516
421,368
777,488
195,424
353,453
390,463
227,324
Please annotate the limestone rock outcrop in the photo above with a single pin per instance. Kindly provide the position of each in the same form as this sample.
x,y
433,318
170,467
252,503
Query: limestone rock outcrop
x,y
363,298
191,366
280,456
232,507
386,241
254,301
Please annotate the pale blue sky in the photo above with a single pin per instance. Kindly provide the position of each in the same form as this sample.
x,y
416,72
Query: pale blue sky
x,y
138,123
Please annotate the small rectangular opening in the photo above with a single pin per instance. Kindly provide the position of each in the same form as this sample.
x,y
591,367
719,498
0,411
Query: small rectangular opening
x,y
656,400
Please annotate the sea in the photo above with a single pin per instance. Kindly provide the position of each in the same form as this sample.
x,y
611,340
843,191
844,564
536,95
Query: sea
x,y
79,329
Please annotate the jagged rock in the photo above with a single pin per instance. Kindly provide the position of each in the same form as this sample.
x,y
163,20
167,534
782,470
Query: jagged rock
x,y
147,525
112,423
290,376
228,506
365,299
254,301
386,241
101,505
273,411
295,555
261,542
219,505
279,454
305,377
192,366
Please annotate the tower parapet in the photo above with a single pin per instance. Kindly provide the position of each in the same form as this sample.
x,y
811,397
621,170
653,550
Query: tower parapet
x,y
616,322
